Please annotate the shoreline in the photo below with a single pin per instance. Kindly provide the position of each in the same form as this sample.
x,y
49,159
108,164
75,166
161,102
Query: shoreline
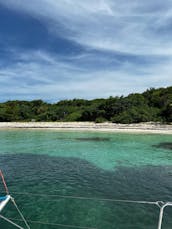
x,y
91,126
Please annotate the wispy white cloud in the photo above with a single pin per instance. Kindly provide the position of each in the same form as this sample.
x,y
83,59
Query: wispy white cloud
x,y
133,27
47,77
138,30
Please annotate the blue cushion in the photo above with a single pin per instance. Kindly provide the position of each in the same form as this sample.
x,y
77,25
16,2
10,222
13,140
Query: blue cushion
x,y
2,198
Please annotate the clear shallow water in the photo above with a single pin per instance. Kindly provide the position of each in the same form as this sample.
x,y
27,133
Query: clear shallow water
x,y
104,165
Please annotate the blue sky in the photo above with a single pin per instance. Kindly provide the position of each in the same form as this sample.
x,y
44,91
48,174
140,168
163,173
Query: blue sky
x,y
65,49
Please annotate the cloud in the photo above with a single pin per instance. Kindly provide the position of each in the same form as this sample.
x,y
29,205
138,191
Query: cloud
x,y
41,75
123,47
133,27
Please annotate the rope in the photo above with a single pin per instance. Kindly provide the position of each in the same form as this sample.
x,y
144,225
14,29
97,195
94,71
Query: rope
x,y
4,183
9,221
55,224
88,198
21,215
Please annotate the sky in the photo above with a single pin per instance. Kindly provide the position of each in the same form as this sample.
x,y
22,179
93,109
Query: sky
x,y
65,49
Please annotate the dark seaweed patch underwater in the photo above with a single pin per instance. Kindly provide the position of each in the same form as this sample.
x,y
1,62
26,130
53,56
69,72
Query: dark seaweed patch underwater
x,y
164,145
78,177
94,139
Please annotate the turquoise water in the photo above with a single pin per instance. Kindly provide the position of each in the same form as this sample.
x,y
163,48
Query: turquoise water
x,y
101,165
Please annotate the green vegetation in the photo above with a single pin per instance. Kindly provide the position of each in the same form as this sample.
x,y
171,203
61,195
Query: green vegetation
x,y
152,105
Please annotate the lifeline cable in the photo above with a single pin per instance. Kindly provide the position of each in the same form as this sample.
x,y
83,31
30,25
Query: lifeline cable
x,y
54,224
10,221
20,213
160,204
89,198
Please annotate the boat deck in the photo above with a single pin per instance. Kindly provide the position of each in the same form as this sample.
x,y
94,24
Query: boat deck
x,y
3,201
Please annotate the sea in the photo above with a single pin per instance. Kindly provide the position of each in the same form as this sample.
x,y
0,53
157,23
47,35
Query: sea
x,y
71,179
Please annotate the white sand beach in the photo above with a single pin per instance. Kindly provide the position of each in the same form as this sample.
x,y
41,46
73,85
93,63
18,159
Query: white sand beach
x,y
91,126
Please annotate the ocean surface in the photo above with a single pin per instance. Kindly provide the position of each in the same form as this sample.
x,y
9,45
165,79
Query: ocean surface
x,y
98,166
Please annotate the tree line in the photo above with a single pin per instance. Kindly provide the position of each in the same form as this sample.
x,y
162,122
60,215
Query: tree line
x,y
152,105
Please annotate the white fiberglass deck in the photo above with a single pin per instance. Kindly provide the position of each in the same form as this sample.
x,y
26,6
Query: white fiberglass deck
x,y
4,201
